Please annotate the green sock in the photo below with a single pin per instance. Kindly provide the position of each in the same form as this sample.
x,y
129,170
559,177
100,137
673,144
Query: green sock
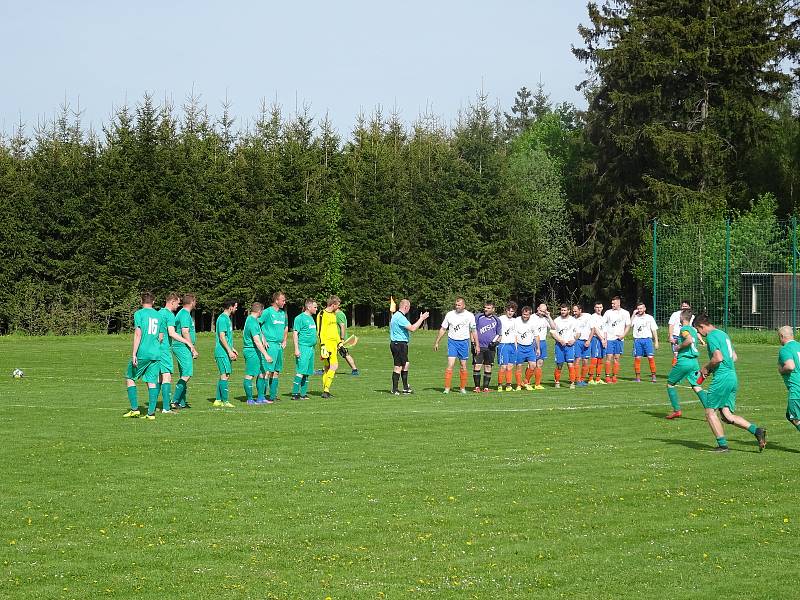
x,y
304,386
752,428
223,389
248,389
273,387
218,395
261,386
673,398
132,397
152,399
180,392
721,441
166,395
797,427
298,380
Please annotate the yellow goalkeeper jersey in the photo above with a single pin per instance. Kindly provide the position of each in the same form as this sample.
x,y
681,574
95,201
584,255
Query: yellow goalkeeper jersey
x,y
328,328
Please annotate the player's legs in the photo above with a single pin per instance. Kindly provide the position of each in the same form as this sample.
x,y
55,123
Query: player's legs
x,y
331,366
760,434
132,398
463,375
477,366
716,428
448,373
793,412
351,363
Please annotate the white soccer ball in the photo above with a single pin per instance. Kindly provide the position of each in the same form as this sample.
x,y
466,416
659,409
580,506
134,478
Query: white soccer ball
x,y
17,374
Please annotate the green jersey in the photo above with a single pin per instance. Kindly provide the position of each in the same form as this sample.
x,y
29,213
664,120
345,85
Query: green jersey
x,y
273,324
689,351
166,319
251,330
719,340
225,326
183,321
791,351
306,330
341,320
146,320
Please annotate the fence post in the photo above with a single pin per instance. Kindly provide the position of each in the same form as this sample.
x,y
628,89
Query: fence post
x,y
727,269
794,272
655,268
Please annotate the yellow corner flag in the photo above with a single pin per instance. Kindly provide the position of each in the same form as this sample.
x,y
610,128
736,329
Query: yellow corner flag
x,y
392,305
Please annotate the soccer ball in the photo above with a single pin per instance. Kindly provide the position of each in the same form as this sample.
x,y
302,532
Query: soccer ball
x,y
17,374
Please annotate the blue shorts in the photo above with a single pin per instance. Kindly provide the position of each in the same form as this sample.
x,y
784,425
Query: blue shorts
x,y
564,354
458,348
506,354
525,354
542,354
596,348
582,350
615,347
643,347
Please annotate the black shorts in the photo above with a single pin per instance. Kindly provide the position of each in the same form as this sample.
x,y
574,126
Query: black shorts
x,y
399,353
484,357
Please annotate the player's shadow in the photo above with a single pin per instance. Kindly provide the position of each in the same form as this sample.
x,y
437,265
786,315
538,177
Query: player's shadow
x,y
771,446
691,444
656,414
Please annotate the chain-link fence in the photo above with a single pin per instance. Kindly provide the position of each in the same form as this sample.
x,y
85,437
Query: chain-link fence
x,y
743,272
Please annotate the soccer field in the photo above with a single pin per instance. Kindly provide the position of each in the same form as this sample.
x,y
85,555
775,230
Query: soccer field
x,y
586,493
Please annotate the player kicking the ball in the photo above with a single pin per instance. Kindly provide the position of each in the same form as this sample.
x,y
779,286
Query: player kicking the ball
x,y
459,325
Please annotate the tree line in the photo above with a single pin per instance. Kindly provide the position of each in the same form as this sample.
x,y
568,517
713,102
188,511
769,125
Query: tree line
x,y
690,115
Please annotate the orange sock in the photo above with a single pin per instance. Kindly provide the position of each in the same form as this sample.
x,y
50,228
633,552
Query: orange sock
x,y
518,376
557,374
462,377
637,365
585,372
537,373
571,373
608,370
616,369
528,375
592,368
652,361
448,378
674,360
501,377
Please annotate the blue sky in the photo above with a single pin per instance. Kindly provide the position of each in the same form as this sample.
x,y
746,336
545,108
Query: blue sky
x,y
336,57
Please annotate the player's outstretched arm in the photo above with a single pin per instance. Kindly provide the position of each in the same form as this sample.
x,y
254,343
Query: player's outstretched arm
x,y
419,322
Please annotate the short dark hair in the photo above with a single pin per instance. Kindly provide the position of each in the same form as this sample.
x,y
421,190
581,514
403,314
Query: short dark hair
x,y
686,315
256,306
147,297
686,302
488,303
526,307
308,302
598,303
511,304
701,320
229,303
564,305
641,303
617,298
189,298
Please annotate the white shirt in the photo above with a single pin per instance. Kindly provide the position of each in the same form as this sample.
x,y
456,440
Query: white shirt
x,y
583,328
508,331
542,326
526,331
565,328
459,324
598,323
675,323
644,326
616,322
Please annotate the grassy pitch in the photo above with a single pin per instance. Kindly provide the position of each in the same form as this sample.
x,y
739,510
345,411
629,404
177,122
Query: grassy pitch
x,y
586,493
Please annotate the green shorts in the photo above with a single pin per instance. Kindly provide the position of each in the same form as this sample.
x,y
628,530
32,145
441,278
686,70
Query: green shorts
x,y
304,364
687,368
722,393
793,409
253,362
147,370
276,353
167,366
223,364
185,361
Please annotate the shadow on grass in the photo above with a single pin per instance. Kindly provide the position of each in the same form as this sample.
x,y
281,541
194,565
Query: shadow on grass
x,y
772,446
658,414
691,444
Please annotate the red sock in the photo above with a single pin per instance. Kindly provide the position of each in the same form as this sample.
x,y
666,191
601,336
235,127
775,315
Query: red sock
x,y
637,366
518,376
674,360
652,361
448,378
616,369
528,375
571,373
557,374
537,372
462,377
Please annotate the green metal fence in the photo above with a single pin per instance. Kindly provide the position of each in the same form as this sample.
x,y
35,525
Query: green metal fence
x,y
742,272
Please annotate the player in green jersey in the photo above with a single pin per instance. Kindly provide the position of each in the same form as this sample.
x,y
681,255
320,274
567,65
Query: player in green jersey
x,y
341,321
304,332
255,355
224,352
722,391
275,327
167,333
145,357
686,365
789,368
185,352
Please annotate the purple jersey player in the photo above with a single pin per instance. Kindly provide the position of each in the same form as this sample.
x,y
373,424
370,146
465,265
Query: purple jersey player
x,y
488,328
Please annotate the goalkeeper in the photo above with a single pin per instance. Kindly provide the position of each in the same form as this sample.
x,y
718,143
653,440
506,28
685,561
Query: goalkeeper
x,y
329,340
489,329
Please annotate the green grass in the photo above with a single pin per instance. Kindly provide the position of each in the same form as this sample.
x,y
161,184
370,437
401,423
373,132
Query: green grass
x,y
584,493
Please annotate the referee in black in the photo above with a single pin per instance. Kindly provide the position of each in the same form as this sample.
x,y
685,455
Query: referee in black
x,y
400,329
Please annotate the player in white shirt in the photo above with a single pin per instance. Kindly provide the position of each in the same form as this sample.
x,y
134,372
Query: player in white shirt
x,y
644,335
598,344
527,343
618,324
563,333
675,330
459,325
583,350
543,323
507,349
